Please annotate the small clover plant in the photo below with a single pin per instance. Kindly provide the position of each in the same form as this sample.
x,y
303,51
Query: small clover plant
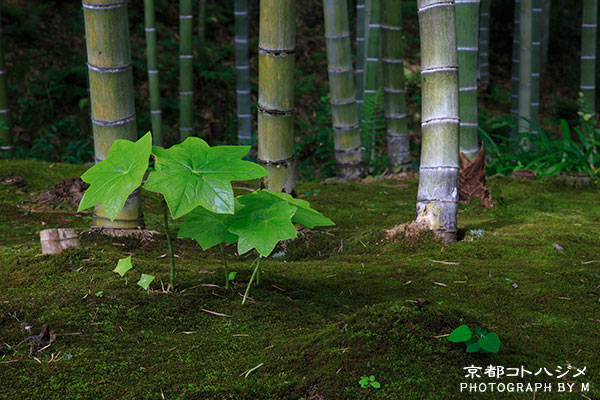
x,y
479,339
370,381
195,181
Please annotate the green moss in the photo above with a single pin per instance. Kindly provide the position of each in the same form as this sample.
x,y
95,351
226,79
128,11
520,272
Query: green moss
x,y
342,303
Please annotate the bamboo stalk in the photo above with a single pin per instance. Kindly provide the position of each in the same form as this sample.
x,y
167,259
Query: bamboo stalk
x,y
360,53
437,196
186,65
111,93
242,69
153,81
467,28
348,150
516,55
6,146
392,52
372,59
546,13
276,58
588,53
484,43
525,70
536,26
201,24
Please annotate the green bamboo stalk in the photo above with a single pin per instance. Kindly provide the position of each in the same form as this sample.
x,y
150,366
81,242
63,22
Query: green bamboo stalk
x,y
276,59
588,53
360,53
6,147
201,24
372,59
525,66
467,29
242,68
484,43
153,81
348,150
437,197
111,93
392,51
186,65
516,54
546,13
536,30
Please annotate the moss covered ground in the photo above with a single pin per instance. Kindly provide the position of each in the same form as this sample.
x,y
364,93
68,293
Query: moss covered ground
x,y
342,303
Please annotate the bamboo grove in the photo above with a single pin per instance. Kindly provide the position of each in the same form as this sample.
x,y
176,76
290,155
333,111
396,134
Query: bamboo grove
x,y
454,40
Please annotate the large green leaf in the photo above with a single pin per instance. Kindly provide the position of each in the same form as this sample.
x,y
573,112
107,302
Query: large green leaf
x,y
460,334
305,215
261,225
193,174
112,180
207,227
490,342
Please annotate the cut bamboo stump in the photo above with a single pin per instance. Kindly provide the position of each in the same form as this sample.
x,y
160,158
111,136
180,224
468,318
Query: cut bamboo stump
x,y
56,240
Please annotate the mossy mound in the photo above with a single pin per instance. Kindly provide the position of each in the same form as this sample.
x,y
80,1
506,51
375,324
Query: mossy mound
x,y
336,304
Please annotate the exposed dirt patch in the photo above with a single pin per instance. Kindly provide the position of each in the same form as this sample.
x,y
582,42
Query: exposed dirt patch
x,y
410,232
68,191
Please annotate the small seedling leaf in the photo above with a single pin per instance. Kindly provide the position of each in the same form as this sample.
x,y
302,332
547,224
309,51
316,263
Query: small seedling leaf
x,y
490,342
376,385
123,266
145,281
231,276
114,179
460,334
472,347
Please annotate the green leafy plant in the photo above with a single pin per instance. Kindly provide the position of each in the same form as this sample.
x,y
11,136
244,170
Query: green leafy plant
x,y
195,181
542,153
370,381
261,220
188,175
479,339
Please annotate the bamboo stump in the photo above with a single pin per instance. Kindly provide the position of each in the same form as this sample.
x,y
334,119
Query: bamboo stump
x,y
56,240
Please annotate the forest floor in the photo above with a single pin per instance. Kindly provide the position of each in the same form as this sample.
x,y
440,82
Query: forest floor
x,y
343,302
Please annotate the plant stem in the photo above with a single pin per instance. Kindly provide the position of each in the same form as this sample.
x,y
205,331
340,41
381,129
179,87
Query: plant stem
x,y
254,273
224,265
170,244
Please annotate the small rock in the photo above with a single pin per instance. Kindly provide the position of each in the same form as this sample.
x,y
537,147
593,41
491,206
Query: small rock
x,y
514,285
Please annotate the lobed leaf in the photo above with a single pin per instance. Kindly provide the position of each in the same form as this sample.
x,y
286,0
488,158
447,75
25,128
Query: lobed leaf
x,y
145,281
115,178
261,225
207,228
192,174
123,266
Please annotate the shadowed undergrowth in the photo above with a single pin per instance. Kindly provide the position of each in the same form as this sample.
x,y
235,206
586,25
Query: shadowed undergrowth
x,y
342,303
